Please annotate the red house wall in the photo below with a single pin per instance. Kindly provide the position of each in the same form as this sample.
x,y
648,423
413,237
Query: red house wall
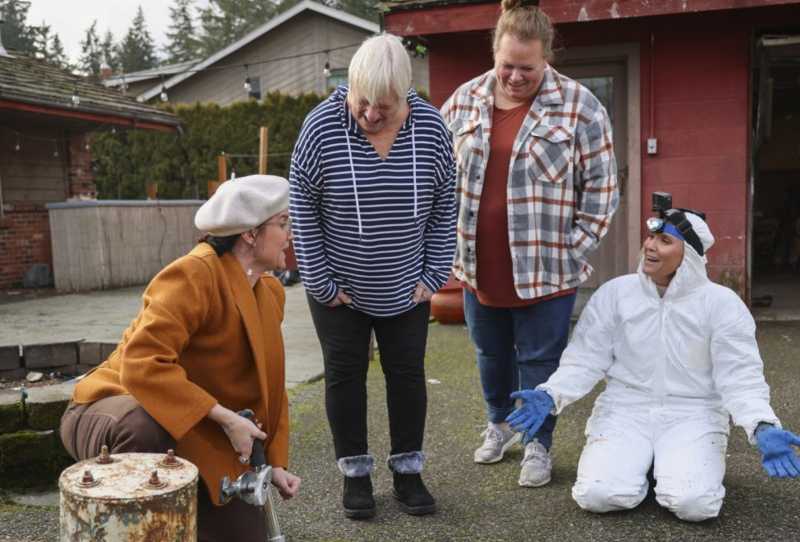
x,y
700,105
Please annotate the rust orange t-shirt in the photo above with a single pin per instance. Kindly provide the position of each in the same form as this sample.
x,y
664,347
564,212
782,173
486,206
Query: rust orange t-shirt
x,y
495,272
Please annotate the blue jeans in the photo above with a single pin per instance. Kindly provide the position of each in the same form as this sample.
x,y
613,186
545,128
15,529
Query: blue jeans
x,y
517,348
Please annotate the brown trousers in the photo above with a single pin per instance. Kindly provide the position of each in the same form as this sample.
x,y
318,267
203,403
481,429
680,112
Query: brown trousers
x,y
123,425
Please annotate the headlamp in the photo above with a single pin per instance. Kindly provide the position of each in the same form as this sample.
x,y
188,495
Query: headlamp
x,y
655,224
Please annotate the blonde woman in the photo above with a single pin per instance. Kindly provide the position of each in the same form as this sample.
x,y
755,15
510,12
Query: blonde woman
x,y
372,201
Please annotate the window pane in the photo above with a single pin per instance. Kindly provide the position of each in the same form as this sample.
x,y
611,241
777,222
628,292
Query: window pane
x,y
337,77
603,88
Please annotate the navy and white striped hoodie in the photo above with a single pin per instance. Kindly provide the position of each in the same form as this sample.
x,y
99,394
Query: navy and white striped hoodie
x,y
373,228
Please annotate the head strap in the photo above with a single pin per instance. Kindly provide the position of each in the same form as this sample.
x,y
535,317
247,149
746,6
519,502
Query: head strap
x,y
677,217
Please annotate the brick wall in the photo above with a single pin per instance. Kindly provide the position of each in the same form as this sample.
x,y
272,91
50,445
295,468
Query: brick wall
x,y
81,180
24,241
24,226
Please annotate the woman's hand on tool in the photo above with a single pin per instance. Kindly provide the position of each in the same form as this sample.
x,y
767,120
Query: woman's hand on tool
x,y
239,430
287,483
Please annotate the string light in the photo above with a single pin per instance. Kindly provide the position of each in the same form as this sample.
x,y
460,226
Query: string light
x,y
76,100
248,87
326,71
164,96
56,142
251,63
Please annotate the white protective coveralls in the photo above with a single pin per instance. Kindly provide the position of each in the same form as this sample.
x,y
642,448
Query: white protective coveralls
x,y
676,366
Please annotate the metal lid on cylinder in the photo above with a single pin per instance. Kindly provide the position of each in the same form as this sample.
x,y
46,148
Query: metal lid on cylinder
x,y
132,496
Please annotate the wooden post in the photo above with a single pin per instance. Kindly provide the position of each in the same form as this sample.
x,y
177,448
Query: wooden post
x,y
222,168
262,150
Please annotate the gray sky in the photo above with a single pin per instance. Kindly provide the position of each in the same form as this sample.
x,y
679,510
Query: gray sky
x,y
70,18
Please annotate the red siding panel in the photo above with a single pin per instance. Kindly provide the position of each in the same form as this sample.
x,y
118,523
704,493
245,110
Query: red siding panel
x,y
701,108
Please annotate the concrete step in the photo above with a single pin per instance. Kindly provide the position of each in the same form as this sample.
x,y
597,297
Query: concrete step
x,y
31,454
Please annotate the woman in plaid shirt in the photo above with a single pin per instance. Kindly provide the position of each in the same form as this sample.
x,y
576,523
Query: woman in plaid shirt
x,y
537,185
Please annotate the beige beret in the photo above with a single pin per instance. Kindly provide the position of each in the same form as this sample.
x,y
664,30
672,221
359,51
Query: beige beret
x,y
241,204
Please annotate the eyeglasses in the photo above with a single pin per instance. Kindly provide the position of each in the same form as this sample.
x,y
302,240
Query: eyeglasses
x,y
285,226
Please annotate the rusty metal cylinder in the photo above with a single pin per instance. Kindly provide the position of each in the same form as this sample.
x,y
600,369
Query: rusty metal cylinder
x,y
129,497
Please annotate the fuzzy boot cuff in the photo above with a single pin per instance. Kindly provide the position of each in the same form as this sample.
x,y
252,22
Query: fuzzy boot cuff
x,y
355,466
406,463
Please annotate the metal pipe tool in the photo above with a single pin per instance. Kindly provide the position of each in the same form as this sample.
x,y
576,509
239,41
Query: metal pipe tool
x,y
253,486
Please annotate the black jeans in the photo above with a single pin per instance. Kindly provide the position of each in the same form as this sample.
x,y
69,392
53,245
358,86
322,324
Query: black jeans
x,y
344,335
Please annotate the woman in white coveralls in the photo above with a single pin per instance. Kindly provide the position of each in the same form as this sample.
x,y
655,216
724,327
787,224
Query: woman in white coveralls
x,y
679,354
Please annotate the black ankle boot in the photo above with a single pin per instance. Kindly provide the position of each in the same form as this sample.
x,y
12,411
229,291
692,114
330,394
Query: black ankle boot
x,y
357,497
412,494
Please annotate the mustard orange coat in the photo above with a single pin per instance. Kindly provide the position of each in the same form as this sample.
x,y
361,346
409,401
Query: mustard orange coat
x,y
203,337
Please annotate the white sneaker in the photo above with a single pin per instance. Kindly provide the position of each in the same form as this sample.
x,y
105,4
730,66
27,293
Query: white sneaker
x,y
495,443
536,465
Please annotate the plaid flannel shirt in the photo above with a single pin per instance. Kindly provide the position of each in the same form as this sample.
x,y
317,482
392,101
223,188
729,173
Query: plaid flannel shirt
x,y
562,181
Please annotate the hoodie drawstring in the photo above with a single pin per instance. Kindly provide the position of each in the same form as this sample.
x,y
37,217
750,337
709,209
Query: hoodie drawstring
x,y
414,169
355,188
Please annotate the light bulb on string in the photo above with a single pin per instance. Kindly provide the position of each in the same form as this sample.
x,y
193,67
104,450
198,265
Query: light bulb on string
x,y
326,71
164,96
55,147
113,130
18,145
76,99
248,86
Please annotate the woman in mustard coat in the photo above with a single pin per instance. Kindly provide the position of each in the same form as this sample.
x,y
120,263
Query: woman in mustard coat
x,y
206,344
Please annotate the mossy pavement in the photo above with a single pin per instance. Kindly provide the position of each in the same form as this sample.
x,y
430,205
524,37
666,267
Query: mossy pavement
x,y
480,502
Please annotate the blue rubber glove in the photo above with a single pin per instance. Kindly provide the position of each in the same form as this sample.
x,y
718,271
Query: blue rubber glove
x,y
529,417
777,455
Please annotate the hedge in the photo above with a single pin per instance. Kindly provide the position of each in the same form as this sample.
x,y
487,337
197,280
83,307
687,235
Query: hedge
x,y
125,162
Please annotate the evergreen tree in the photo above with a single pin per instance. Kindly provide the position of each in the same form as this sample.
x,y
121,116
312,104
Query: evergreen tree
x,y
183,45
56,54
225,21
366,9
110,54
137,50
41,40
91,55
16,33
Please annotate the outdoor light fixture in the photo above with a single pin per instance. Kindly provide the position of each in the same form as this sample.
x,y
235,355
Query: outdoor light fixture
x,y
248,87
76,100
326,71
55,146
18,146
164,96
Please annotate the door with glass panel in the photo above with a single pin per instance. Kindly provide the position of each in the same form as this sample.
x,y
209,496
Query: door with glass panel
x,y
608,82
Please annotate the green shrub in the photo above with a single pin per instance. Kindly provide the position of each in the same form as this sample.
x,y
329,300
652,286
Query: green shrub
x,y
182,163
